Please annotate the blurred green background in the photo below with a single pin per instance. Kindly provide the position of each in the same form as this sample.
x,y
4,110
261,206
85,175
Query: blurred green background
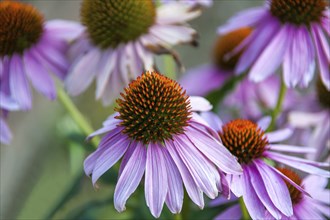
x,y
44,163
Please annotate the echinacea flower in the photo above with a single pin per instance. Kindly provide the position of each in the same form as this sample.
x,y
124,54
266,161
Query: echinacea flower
x,y
120,41
261,185
292,33
157,135
315,206
316,122
31,48
248,98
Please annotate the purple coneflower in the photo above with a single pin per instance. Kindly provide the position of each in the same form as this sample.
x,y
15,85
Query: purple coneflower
x,y
120,41
261,185
290,32
319,120
31,48
315,206
156,133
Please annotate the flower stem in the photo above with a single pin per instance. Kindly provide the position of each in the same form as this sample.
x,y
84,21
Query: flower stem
x,y
245,212
278,108
185,207
76,115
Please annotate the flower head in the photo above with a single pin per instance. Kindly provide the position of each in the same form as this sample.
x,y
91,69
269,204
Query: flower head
x,y
31,48
284,32
120,40
315,206
261,185
155,131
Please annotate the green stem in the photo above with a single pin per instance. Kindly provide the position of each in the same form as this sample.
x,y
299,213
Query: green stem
x,y
76,115
185,207
178,217
278,107
245,212
169,67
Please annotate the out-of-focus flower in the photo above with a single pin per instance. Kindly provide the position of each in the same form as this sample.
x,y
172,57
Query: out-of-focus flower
x,y
319,121
31,48
120,41
192,3
261,185
232,212
315,206
249,99
292,33
156,133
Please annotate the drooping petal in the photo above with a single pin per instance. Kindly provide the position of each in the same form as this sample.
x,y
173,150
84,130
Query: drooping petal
x,y
5,134
19,85
213,120
322,51
306,210
39,76
156,180
81,75
201,170
175,12
194,192
253,204
115,149
279,135
174,198
258,40
276,188
214,151
260,189
8,103
130,177
236,184
272,56
264,122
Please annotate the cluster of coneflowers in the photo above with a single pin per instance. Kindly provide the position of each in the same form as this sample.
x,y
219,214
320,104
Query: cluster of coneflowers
x,y
165,131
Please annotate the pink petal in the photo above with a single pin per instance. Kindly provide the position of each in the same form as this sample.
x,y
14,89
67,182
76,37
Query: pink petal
x,y
279,135
199,103
156,181
130,177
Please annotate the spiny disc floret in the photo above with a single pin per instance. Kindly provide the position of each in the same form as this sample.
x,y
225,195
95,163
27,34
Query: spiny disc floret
x,y
295,194
111,22
227,43
244,139
21,26
153,108
298,11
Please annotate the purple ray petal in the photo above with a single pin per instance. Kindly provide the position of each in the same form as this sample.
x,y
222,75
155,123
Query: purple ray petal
x,y
126,157
198,103
253,204
203,172
19,85
81,75
259,39
174,198
212,120
63,29
306,210
259,187
8,103
39,76
156,181
293,149
236,184
5,134
322,51
276,188
113,152
246,18
225,189
105,69
214,151
300,164
233,213
130,177
272,56
194,192
279,135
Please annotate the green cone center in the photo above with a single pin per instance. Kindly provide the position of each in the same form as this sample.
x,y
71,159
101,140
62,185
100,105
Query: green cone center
x,y
298,11
111,22
21,26
153,108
